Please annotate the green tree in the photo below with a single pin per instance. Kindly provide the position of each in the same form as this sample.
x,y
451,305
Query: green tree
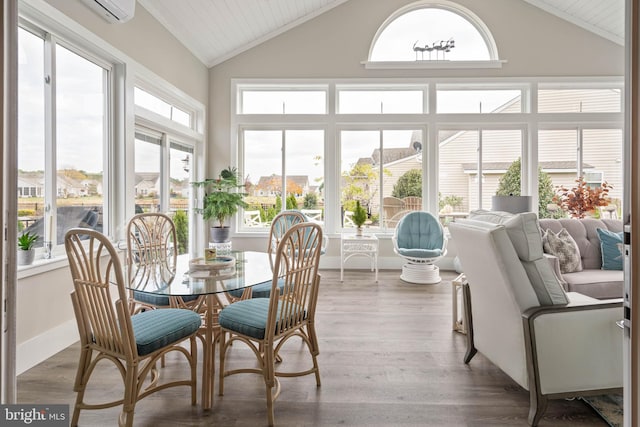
x,y
292,203
360,183
310,201
510,185
182,230
409,184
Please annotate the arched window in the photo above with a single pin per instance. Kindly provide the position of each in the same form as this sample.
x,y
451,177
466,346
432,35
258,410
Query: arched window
x,y
435,32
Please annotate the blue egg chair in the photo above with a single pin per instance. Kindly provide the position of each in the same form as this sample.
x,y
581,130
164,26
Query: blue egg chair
x,y
420,240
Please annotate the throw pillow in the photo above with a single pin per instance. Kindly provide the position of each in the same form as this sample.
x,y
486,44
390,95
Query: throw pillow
x,y
611,247
565,248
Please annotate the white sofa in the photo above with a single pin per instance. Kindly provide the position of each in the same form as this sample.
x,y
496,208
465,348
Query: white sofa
x,y
592,280
553,343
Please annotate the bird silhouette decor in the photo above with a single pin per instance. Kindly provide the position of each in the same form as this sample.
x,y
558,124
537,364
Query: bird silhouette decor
x,y
437,46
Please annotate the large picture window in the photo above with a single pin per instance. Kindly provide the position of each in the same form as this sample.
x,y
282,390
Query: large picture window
x,y
382,170
63,120
393,154
268,156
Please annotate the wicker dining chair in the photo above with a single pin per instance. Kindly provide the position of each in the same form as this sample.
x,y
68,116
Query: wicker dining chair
x,y
152,251
279,226
108,330
266,324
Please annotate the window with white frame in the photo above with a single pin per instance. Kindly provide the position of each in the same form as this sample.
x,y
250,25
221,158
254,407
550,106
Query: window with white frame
x,y
166,109
268,155
64,136
362,99
432,31
383,148
166,154
473,165
594,153
382,170
266,99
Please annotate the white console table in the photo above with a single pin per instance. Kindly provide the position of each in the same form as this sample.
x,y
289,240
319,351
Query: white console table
x,y
352,245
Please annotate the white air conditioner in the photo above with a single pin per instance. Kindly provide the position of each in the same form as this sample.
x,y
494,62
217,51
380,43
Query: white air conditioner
x,y
114,11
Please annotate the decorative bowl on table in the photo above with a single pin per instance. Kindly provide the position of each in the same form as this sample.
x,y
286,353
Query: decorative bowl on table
x,y
220,262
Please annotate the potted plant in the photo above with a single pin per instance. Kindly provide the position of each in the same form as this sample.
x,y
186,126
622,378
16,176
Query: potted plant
x,y
582,199
359,217
223,197
26,251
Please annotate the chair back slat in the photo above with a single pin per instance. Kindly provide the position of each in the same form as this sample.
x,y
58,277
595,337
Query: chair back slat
x,y
297,260
279,226
96,271
151,250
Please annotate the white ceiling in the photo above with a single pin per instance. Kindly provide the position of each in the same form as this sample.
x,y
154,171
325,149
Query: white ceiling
x,y
216,30
603,17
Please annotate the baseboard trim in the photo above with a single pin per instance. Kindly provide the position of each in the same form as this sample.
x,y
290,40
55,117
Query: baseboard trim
x,y
43,346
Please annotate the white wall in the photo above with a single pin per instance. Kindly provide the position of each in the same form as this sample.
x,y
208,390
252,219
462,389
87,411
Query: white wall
x,y
333,45
149,43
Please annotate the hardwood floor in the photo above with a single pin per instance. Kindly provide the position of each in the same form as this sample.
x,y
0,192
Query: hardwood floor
x,y
388,357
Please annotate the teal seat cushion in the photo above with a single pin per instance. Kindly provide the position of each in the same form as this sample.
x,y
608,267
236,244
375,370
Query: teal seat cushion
x,y
420,253
155,329
419,230
248,317
611,247
158,300
261,290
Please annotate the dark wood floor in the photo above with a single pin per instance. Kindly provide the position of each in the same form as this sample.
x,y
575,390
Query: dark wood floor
x,y
388,357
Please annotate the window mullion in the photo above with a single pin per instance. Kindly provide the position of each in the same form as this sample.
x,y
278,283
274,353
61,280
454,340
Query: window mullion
x,y
50,136
283,149
164,174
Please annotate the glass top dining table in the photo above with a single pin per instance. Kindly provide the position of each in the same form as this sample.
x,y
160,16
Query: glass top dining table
x,y
236,271
207,281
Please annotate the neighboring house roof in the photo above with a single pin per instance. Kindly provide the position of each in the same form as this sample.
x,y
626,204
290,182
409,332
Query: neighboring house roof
x,y
30,181
267,182
146,176
392,154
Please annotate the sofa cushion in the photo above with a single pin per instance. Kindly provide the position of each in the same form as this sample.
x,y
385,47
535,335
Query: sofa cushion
x,y
599,284
524,233
584,233
564,248
611,246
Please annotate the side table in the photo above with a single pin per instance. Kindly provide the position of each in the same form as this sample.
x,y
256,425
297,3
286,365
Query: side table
x,y
459,325
352,245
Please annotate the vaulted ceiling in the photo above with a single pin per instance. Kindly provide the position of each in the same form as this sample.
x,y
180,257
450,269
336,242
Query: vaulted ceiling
x,y
216,30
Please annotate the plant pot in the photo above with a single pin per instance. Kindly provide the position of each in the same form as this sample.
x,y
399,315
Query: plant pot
x,y
219,234
359,231
26,257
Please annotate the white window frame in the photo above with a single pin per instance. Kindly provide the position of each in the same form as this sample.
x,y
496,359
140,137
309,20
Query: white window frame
x,y
529,121
494,58
51,40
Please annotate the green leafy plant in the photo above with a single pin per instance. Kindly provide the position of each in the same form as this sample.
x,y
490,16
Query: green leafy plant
x,y
181,222
27,240
223,196
409,184
359,215
509,185
582,199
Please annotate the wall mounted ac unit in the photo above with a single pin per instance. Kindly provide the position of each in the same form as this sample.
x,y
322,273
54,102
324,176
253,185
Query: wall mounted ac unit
x,y
114,11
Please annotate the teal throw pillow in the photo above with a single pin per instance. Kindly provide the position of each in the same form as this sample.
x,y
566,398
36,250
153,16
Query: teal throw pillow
x,y
611,247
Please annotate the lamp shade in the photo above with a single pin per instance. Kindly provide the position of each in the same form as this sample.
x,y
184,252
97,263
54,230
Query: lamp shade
x,y
512,204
